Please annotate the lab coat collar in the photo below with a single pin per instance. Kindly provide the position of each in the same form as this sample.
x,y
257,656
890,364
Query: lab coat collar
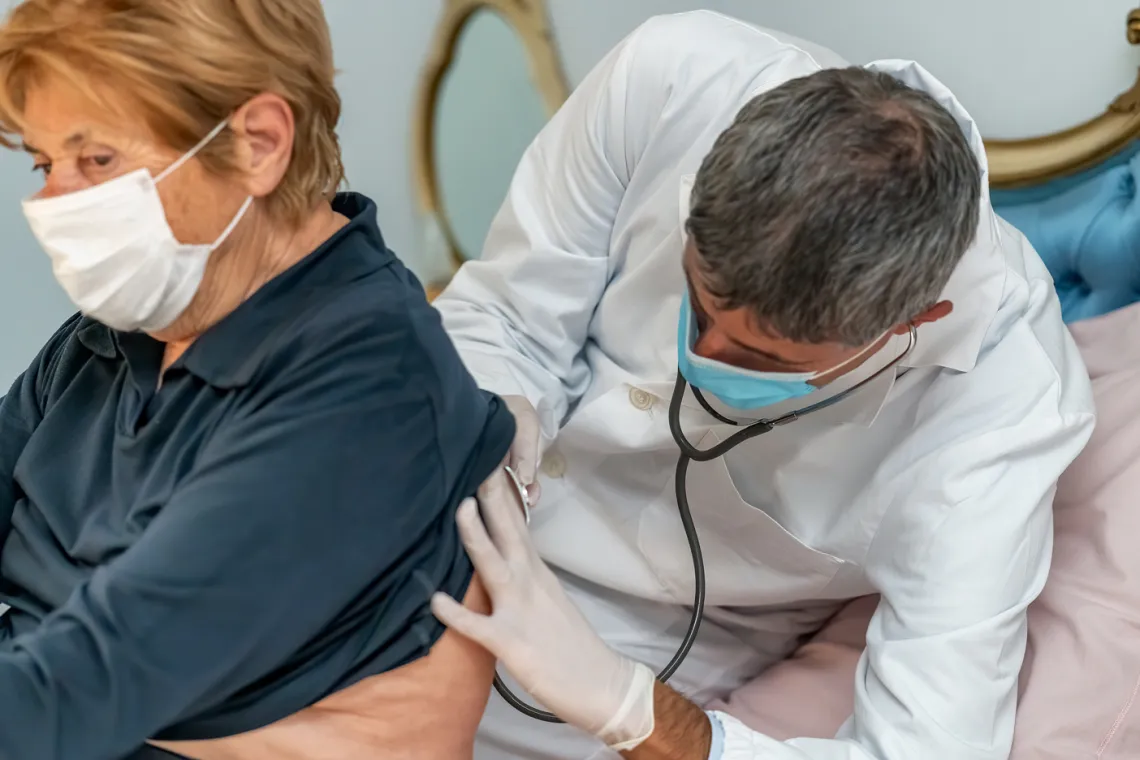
x,y
977,283
232,352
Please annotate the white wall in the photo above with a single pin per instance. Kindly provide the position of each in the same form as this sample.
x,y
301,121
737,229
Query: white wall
x,y
1020,66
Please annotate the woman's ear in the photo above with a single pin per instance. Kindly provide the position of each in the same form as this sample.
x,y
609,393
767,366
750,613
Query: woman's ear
x,y
265,131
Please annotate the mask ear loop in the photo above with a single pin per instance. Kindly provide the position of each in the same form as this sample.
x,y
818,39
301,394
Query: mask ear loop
x,y
233,225
193,152
866,350
189,155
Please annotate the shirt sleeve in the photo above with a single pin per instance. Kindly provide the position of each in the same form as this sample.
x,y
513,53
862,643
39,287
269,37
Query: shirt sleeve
x,y
341,460
16,426
963,550
21,411
520,314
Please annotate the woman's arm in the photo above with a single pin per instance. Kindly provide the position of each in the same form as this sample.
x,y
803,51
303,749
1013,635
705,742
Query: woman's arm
x,y
428,710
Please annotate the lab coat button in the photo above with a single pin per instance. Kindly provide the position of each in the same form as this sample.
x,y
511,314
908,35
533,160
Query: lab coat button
x,y
640,399
553,464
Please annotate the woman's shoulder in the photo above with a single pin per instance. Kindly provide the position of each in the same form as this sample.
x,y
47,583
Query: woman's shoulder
x,y
78,340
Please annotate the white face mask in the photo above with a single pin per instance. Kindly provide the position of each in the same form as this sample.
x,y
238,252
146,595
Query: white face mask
x,y
114,253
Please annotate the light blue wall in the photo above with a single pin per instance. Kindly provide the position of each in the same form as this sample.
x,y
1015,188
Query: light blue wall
x,y
31,304
482,132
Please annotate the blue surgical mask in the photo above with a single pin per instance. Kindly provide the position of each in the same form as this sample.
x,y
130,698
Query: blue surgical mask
x,y
736,387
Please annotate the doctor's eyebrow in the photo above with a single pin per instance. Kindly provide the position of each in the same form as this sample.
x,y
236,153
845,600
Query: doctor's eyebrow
x,y
695,303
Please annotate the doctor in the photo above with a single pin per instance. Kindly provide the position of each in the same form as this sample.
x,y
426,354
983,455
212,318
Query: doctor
x,y
717,201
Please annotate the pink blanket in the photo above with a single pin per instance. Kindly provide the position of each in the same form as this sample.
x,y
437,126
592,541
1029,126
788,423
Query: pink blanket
x,y
1080,686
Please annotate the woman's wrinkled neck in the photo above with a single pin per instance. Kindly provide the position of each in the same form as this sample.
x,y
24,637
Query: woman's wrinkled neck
x,y
260,249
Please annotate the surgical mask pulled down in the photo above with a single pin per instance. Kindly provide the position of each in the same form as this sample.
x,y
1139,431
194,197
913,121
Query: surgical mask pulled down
x,y
112,249
741,388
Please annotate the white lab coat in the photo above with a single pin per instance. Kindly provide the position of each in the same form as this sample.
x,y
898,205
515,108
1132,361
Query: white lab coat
x,y
931,486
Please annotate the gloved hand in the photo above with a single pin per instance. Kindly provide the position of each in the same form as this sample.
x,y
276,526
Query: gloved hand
x,y
538,634
523,458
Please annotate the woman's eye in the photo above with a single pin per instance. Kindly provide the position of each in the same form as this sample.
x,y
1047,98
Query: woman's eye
x,y
43,167
103,160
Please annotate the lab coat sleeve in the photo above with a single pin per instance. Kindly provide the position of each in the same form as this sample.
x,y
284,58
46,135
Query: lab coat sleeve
x,y
964,548
520,315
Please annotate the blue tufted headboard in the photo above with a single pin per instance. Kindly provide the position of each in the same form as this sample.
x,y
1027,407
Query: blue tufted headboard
x,y
1087,230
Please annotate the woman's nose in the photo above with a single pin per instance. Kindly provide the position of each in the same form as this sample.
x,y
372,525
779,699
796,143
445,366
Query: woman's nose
x,y
62,183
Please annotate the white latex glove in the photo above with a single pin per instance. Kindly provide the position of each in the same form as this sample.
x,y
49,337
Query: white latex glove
x,y
523,457
538,634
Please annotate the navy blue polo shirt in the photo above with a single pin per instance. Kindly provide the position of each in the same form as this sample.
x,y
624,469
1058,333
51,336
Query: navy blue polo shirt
x,y
204,558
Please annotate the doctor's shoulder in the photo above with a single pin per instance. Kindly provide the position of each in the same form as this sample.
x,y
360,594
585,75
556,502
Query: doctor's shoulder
x,y
1020,415
687,75
969,482
707,45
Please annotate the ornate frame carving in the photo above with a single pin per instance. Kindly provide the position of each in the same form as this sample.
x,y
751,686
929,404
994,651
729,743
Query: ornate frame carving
x,y
530,20
1021,163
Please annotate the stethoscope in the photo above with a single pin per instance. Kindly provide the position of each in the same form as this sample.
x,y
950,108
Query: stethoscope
x,y
690,453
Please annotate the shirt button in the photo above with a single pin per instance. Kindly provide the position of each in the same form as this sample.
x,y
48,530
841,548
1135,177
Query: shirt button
x,y
553,464
640,399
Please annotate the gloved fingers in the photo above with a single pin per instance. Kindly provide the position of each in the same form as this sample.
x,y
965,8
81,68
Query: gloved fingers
x,y
483,552
524,449
504,515
534,493
524,454
469,624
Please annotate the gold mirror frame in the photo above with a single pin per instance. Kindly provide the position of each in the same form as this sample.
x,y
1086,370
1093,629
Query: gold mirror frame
x,y
530,21
1023,163
1013,163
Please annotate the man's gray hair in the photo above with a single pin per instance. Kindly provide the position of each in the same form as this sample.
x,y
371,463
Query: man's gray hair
x,y
836,206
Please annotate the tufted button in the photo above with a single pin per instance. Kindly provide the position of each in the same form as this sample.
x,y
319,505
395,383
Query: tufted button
x,y
553,464
640,399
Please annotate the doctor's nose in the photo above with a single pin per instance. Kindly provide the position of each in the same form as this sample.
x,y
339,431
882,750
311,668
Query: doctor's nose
x,y
711,343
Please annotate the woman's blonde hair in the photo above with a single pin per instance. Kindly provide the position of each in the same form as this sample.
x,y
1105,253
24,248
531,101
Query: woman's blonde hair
x,y
187,65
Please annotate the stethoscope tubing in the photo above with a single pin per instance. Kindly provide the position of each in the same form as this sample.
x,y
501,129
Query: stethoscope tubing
x,y
690,453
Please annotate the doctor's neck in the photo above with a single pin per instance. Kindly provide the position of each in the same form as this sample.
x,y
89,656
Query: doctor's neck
x,y
259,250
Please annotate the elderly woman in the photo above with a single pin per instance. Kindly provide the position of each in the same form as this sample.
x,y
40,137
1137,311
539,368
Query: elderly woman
x,y
228,485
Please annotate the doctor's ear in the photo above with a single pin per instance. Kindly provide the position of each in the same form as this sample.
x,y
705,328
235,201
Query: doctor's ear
x,y
264,131
938,311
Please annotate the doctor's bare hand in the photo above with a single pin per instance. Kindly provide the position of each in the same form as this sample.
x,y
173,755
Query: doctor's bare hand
x,y
523,457
538,633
